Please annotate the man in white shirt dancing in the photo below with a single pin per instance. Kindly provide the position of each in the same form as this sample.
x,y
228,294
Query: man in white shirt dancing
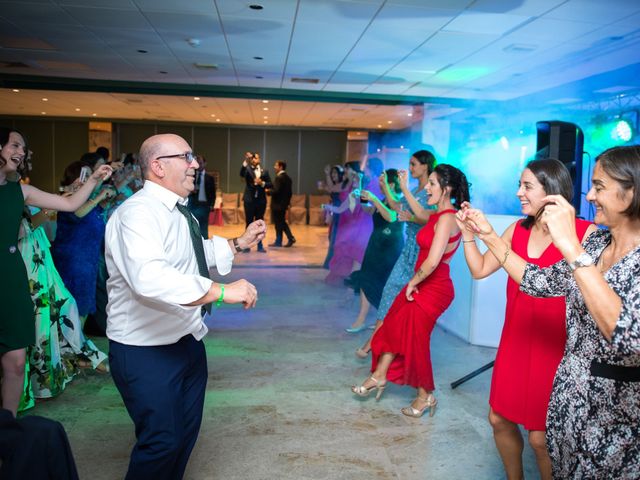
x,y
158,292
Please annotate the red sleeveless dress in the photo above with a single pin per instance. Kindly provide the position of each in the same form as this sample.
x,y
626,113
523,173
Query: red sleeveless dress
x,y
531,345
407,328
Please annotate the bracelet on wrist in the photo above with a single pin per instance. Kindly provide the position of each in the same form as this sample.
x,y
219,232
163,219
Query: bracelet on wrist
x,y
236,245
468,241
221,297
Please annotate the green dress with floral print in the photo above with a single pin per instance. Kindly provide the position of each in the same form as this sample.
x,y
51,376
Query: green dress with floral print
x,y
52,361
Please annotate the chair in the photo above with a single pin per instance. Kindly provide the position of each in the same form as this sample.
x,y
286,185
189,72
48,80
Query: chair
x,y
230,208
298,210
317,216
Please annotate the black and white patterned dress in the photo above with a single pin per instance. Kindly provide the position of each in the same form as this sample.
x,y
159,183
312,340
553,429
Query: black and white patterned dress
x,y
593,423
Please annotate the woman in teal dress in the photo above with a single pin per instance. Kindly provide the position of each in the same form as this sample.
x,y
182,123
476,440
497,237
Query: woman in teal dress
x,y
60,348
412,209
17,322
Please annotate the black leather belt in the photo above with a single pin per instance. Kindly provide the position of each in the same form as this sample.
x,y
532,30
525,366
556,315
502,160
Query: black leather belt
x,y
615,372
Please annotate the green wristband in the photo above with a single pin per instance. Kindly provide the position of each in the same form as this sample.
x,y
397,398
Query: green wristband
x,y
221,297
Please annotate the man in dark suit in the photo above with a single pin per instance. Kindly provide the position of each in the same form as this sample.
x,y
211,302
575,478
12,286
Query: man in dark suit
x,y
203,196
280,200
255,198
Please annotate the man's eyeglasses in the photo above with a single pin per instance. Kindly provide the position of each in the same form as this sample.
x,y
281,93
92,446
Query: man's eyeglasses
x,y
188,157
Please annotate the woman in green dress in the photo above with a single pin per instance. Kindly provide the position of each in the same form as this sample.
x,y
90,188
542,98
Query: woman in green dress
x,y
17,322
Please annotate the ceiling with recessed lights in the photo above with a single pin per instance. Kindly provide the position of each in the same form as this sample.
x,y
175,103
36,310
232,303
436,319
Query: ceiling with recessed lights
x,y
325,63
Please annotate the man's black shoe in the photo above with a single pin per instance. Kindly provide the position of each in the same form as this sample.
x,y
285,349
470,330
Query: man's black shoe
x,y
262,250
290,242
275,244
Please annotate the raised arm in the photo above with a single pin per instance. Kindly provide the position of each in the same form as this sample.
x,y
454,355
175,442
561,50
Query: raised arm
x,y
386,213
604,304
38,198
481,265
421,213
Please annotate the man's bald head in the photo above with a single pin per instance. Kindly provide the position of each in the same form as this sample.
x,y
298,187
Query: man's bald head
x,y
154,147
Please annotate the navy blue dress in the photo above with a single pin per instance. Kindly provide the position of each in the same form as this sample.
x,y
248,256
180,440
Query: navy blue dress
x,y
76,253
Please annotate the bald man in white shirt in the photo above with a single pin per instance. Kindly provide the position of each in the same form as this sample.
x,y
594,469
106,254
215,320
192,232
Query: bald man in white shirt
x,y
158,291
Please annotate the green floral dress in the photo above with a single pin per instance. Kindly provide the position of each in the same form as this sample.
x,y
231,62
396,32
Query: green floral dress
x,y
53,360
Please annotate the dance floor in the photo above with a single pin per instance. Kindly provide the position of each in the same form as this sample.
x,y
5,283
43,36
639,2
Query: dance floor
x,y
278,403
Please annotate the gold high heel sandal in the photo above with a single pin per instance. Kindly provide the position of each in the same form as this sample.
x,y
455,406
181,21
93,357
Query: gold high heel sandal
x,y
363,391
431,403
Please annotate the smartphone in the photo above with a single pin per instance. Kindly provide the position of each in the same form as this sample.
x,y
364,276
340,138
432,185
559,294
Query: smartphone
x,y
85,173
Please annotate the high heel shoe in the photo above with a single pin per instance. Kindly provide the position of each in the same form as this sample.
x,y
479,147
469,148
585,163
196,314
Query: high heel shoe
x,y
362,353
430,405
356,329
363,391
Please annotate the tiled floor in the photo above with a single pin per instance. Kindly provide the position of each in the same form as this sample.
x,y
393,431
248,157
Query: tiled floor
x,y
278,404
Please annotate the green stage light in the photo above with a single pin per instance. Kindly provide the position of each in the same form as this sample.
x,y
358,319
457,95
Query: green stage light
x,y
621,131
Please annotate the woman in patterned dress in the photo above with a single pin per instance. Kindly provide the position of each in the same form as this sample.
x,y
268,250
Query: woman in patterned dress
x,y
413,210
17,322
534,333
60,346
593,421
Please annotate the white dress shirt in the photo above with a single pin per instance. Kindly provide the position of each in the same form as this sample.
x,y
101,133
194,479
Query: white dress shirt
x,y
153,272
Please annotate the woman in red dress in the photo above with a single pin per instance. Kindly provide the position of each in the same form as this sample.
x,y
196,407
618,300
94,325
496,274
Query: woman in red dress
x,y
534,335
401,350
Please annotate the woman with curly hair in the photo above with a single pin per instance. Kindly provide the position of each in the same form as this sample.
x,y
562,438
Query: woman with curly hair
x,y
400,347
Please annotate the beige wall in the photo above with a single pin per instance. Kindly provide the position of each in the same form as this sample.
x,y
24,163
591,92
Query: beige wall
x,y
58,142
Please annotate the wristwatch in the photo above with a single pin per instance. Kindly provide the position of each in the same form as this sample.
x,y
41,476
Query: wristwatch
x,y
582,260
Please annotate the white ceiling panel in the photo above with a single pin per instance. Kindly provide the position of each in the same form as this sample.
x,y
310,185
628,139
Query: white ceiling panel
x,y
485,23
594,11
527,8
109,17
462,49
19,12
203,7
551,31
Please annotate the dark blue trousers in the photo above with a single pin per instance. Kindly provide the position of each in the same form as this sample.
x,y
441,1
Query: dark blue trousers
x,y
163,389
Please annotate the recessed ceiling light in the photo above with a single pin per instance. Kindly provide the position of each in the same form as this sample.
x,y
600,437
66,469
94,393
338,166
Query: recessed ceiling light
x,y
258,58
379,126
213,114
15,90
77,109
263,101
45,99
389,121
265,108
401,147
266,121
196,98
409,114
163,72
43,113
217,119
259,77
256,6
265,117
94,114
142,51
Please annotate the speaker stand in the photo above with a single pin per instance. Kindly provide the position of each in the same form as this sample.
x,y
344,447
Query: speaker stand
x,y
475,373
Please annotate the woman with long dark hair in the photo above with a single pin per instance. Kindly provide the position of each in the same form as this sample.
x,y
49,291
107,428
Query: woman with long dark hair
x,y
17,322
401,350
412,211
534,334
593,420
